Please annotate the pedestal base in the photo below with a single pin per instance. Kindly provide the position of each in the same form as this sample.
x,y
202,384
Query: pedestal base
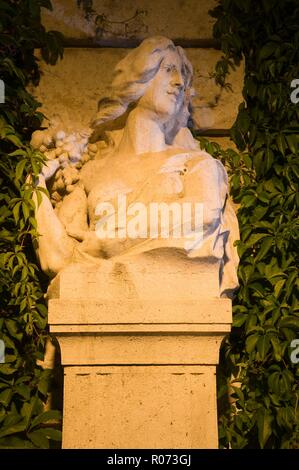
x,y
139,368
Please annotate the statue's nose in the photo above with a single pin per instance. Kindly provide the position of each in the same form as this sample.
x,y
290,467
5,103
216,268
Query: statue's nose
x,y
177,81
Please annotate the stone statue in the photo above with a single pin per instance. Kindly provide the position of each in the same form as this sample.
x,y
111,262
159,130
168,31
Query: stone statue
x,y
137,182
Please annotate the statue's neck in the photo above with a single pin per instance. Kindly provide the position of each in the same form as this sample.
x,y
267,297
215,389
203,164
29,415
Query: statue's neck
x,y
142,134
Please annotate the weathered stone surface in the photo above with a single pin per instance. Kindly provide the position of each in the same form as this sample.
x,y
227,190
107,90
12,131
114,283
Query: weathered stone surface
x,y
112,407
109,312
133,19
139,278
69,91
153,346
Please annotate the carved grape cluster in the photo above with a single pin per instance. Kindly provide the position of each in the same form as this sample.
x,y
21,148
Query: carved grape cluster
x,y
72,151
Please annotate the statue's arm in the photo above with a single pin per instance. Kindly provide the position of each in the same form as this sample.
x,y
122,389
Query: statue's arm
x,y
54,248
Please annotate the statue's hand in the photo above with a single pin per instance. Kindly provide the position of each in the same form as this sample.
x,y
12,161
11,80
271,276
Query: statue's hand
x,y
93,245
90,243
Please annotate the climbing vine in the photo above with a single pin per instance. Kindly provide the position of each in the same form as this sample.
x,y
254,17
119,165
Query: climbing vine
x,y
24,385
258,375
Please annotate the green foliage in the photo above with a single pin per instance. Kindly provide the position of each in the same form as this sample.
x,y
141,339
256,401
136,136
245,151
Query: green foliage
x,y
258,383
23,315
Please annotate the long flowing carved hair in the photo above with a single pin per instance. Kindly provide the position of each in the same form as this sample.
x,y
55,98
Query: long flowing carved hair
x,y
132,75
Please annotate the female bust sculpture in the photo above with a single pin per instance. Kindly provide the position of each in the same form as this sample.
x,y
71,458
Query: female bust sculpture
x,y
150,158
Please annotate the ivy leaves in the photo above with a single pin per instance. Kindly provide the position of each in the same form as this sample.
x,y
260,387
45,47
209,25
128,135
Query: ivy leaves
x,y
24,386
33,423
263,407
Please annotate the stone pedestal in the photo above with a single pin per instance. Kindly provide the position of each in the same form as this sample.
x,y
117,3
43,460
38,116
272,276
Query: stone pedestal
x,y
139,346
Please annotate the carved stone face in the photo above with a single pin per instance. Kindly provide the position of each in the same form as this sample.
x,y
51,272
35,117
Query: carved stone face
x,y
165,93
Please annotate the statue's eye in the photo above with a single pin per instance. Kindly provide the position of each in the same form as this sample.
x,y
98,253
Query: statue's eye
x,y
168,68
